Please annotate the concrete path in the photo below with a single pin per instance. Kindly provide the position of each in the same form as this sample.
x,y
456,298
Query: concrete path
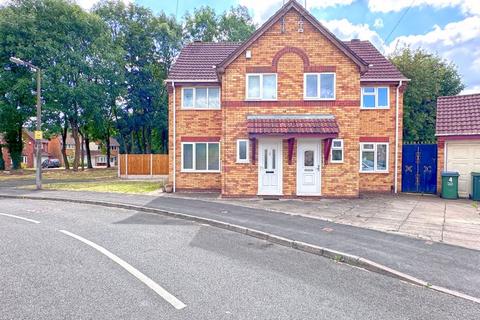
x,y
47,274
431,218
440,264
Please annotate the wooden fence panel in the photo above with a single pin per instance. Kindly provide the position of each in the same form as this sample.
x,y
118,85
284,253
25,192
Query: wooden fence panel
x,y
143,164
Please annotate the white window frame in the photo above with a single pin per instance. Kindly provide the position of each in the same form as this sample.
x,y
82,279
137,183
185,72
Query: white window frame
x,y
375,145
247,160
319,86
24,159
261,86
195,97
194,157
341,148
375,93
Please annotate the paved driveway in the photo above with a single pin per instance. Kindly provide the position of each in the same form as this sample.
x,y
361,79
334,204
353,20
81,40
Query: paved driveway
x,y
428,217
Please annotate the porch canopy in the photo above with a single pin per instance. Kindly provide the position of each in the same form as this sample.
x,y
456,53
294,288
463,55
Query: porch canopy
x,y
322,126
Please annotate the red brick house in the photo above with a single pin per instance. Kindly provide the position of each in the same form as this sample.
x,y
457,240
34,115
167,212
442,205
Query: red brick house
x,y
292,111
458,136
28,152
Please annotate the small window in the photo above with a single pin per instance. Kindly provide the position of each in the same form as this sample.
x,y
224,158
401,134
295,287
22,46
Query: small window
x,y
201,98
242,151
337,151
375,98
261,86
308,158
374,157
319,86
200,156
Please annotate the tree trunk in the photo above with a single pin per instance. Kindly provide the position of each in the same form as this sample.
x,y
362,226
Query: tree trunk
x,y
76,159
15,146
89,153
64,146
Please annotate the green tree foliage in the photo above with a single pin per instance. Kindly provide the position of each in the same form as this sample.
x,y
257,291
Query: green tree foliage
x,y
431,77
205,25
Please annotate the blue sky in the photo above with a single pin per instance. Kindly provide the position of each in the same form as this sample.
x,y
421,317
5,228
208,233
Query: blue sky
x,y
450,28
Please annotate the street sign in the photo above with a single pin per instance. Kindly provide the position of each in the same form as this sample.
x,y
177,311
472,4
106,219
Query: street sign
x,y
38,135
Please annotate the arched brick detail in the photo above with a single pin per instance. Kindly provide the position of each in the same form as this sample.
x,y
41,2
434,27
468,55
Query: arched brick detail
x,y
298,51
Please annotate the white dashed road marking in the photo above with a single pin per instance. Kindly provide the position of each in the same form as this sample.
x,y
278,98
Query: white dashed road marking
x,y
20,218
177,304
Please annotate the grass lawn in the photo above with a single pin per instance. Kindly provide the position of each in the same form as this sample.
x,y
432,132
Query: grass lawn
x,y
61,174
118,186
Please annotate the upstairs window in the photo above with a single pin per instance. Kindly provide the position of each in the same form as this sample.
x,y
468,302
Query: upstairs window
x,y
375,98
319,86
262,86
201,98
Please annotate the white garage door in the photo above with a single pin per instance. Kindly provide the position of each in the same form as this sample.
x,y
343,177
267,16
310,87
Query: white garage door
x,y
463,157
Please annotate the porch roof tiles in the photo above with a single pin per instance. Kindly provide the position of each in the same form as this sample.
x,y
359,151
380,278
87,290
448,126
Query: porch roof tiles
x,y
320,124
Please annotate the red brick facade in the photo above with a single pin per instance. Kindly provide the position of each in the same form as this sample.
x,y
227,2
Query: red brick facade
x,y
289,54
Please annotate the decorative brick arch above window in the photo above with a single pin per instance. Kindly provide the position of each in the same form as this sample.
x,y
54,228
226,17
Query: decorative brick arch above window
x,y
297,51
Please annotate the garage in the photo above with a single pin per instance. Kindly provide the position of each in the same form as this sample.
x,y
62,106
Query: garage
x,y
463,157
458,137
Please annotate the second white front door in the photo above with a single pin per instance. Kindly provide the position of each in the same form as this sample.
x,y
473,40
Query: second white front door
x,y
308,168
270,167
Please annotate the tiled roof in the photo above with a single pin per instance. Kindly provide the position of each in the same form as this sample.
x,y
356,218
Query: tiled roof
x,y
292,124
458,115
379,66
197,60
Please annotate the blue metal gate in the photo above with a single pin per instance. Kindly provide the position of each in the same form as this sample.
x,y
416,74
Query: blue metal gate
x,y
419,168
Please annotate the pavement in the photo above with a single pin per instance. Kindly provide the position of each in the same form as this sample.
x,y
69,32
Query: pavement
x,y
426,217
440,264
216,274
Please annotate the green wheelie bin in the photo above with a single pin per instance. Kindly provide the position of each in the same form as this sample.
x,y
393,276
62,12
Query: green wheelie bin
x,y
450,185
475,186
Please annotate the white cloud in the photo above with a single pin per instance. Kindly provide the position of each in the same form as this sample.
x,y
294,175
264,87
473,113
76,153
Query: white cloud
x,y
263,9
345,30
471,90
458,42
378,23
467,6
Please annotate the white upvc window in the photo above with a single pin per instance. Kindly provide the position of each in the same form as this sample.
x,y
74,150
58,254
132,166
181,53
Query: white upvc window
x,y
373,157
200,157
261,86
375,98
201,98
319,86
24,159
242,151
337,151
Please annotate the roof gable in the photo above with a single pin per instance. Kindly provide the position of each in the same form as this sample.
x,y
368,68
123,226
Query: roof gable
x,y
293,4
458,115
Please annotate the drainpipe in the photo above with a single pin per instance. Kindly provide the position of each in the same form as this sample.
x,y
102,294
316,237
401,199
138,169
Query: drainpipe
x,y
396,135
174,137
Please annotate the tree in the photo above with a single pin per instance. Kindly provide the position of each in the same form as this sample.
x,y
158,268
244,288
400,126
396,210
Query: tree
x,y
236,25
205,25
431,77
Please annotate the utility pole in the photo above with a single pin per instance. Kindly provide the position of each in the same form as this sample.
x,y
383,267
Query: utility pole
x,y
38,132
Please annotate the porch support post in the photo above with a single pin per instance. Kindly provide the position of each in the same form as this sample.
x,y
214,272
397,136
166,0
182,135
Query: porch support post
x,y
327,145
291,144
253,142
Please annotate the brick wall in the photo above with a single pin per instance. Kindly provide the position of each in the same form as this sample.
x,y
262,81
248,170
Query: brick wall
x,y
290,54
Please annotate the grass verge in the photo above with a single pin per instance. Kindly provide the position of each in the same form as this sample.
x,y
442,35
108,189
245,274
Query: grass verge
x,y
135,187
61,174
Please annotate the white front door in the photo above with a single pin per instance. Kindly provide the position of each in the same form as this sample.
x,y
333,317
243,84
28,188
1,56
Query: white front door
x,y
308,168
270,167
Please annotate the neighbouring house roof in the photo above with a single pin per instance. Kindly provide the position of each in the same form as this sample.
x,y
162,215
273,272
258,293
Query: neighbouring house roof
x,y
320,124
114,142
458,115
380,68
70,140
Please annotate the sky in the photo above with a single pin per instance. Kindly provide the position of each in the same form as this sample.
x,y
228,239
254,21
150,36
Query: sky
x,y
450,28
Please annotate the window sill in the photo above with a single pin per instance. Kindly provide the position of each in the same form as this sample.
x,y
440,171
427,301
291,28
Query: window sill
x,y
319,99
242,162
199,171
378,172
377,108
260,100
336,162
202,109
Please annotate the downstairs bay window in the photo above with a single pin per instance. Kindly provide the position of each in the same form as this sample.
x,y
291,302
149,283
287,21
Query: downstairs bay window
x,y
200,157
374,157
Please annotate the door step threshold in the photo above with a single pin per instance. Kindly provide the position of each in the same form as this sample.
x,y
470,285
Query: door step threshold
x,y
270,197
